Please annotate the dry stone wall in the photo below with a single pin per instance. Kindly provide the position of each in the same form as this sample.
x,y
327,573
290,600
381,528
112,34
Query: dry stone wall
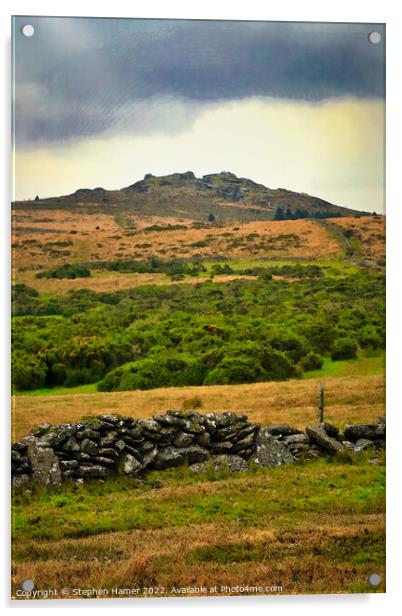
x,y
110,444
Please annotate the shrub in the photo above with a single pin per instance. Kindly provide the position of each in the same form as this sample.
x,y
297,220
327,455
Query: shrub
x,y
28,372
344,348
66,271
233,370
192,403
160,371
369,337
312,361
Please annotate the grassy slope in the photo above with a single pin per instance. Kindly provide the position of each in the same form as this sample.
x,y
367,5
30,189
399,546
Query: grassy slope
x,y
348,399
311,528
360,367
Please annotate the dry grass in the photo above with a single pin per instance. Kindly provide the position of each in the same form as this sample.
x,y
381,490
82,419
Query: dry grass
x,y
348,399
104,281
370,231
98,237
163,557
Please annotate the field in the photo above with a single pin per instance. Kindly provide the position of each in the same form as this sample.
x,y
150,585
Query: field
x,y
62,239
313,528
136,311
349,399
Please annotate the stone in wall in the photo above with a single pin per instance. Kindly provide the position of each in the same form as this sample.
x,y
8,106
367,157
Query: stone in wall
x,y
109,444
319,437
270,451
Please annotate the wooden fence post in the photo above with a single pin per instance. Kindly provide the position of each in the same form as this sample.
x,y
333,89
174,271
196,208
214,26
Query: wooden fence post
x,y
320,404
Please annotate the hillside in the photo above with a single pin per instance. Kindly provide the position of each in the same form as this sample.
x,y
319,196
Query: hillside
x,y
224,197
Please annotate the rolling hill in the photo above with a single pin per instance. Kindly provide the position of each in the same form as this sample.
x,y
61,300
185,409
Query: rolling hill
x,y
223,197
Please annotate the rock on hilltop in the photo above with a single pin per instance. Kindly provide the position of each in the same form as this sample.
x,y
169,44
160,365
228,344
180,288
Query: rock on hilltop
x,y
183,195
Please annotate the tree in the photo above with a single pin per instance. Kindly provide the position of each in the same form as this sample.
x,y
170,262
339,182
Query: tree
x,y
279,214
344,348
211,218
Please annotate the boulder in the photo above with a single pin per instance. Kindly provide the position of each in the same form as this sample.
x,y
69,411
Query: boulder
x,y
231,432
168,457
221,447
146,446
209,423
195,453
282,430
134,452
104,461
296,439
298,445
57,436
41,430
120,445
94,435
44,463
92,471
226,419
149,457
203,439
319,437
89,447
67,465
81,456
167,434
348,445
170,420
183,439
71,446
193,426
371,432
330,429
234,464
109,453
245,443
362,444
109,439
19,481
149,425
270,451
129,465
246,431
111,418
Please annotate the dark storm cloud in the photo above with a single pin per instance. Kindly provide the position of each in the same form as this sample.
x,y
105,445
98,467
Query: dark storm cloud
x,y
81,77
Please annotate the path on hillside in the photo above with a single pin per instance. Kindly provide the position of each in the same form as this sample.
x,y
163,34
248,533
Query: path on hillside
x,y
350,252
345,241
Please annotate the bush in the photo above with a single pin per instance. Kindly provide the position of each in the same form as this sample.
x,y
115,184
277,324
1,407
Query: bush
x,y
369,337
232,370
312,361
190,404
28,372
279,366
66,271
344,348
168,371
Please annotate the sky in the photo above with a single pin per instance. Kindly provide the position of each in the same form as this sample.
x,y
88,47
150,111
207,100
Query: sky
x,y
102,102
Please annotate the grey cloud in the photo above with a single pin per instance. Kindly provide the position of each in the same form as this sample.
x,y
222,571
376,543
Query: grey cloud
x,y
78,77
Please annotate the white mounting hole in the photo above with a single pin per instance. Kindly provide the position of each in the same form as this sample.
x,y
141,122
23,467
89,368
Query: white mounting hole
x,y
374,38
28,30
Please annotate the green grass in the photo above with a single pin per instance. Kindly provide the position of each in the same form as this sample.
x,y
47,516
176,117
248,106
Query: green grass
x,y
362,366
253,499
332,268
89,388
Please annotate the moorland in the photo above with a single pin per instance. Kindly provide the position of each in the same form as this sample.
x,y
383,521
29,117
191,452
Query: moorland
x,y
216,294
